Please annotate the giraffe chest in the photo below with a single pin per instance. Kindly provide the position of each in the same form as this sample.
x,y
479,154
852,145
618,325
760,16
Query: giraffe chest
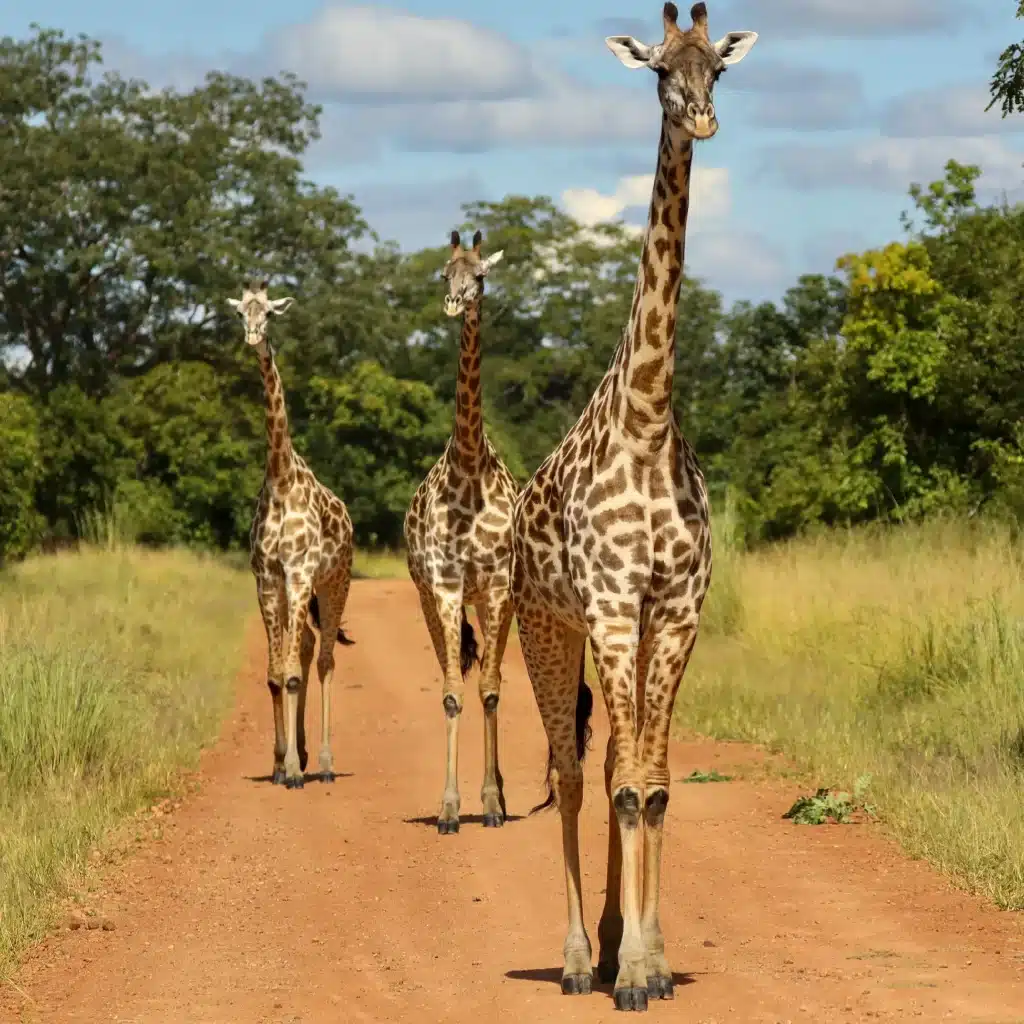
x,y
599,541
459,535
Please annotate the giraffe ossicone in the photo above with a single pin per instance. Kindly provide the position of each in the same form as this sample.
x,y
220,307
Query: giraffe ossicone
x,y
612,545
300,547
458,537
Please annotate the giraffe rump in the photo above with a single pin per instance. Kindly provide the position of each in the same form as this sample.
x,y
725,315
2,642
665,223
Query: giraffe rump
x,y
469,651
584,709
314,611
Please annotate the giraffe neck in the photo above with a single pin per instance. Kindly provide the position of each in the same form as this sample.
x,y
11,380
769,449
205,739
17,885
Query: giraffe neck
x,y
645,359
469,427
280,455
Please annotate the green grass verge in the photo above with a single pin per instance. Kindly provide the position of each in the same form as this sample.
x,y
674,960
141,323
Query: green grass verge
x,y
897,654
115,670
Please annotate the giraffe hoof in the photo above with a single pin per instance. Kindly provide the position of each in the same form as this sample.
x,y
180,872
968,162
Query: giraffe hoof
x,y
327,776
660,988
294,783
447,828
577,984
607,971
631,999
494,820
278,777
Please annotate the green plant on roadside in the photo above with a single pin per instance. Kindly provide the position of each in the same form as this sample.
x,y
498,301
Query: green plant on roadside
x,y
697,776
827,805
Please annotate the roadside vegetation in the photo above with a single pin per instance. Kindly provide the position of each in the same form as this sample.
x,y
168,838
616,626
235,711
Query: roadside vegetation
x,y
116,667
894,653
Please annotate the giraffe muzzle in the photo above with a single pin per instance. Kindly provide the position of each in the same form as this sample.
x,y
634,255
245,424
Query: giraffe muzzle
x,y
453,307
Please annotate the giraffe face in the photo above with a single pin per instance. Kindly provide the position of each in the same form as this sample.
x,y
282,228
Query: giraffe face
x,y
688,65
464,274
255,308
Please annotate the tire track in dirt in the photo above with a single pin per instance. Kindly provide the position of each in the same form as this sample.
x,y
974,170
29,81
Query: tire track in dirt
x,y
341,903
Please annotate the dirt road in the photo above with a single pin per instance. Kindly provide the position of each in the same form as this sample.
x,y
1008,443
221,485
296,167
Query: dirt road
x,y
341,903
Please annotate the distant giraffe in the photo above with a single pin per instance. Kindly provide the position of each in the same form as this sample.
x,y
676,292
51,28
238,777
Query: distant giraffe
x,y
458,534
613,543
301,556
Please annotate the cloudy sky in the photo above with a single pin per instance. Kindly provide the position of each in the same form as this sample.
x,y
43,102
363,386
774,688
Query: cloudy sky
x,y
431,104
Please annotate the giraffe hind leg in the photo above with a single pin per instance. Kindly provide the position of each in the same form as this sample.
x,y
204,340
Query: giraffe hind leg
x,y
554,655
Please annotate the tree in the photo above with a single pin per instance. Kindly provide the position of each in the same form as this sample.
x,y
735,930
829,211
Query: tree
x,y
1007,85
127,216
21,468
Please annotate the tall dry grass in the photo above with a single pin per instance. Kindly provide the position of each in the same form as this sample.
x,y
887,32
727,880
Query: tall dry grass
x,y
896,653
115,669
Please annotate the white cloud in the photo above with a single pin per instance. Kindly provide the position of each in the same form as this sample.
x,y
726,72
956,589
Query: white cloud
x,y
892,164
356,52
710,198
844,18
950,110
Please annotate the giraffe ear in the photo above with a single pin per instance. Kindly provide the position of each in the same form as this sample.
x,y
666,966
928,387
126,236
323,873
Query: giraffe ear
x,y
235,304
735,46
280,306
630,51
490,261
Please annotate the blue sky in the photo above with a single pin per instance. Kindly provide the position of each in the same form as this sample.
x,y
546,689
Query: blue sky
x,y
428,105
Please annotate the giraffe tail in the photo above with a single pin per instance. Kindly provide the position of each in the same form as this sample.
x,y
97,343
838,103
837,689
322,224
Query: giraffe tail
x,y
314,611
584,709
469,652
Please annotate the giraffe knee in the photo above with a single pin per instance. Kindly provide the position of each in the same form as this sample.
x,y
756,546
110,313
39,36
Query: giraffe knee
x,y
274,687
655,806
293,685
490,702
451,706
626,802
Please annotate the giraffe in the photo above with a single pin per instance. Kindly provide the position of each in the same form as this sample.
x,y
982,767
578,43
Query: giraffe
x,y
301,556
458,535
612,543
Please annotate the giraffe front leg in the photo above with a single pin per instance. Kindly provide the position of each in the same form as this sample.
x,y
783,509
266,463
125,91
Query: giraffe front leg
x,y
670,654
274,610
449,613
553,657
496,619
299,591
615,646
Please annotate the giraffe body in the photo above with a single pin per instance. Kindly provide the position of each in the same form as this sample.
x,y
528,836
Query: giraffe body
x,y
612,544
301,555
458,535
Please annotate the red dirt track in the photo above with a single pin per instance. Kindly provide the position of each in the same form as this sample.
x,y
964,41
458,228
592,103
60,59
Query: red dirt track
x,y
335,904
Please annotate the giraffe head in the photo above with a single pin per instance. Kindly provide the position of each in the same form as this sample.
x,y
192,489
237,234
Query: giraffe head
x,y
254,307
464,274
687,64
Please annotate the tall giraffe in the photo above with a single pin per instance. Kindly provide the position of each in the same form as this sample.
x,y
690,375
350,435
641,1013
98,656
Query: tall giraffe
x,y
301,556
458,535
612,543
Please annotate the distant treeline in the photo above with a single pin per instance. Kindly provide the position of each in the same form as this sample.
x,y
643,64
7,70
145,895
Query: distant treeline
x,y
128,217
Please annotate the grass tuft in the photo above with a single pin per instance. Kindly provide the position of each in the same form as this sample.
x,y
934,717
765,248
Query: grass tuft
x,y
116,667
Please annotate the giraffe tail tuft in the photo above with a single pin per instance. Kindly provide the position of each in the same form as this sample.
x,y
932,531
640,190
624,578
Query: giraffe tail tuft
x,y
314,611
469,651
584,709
